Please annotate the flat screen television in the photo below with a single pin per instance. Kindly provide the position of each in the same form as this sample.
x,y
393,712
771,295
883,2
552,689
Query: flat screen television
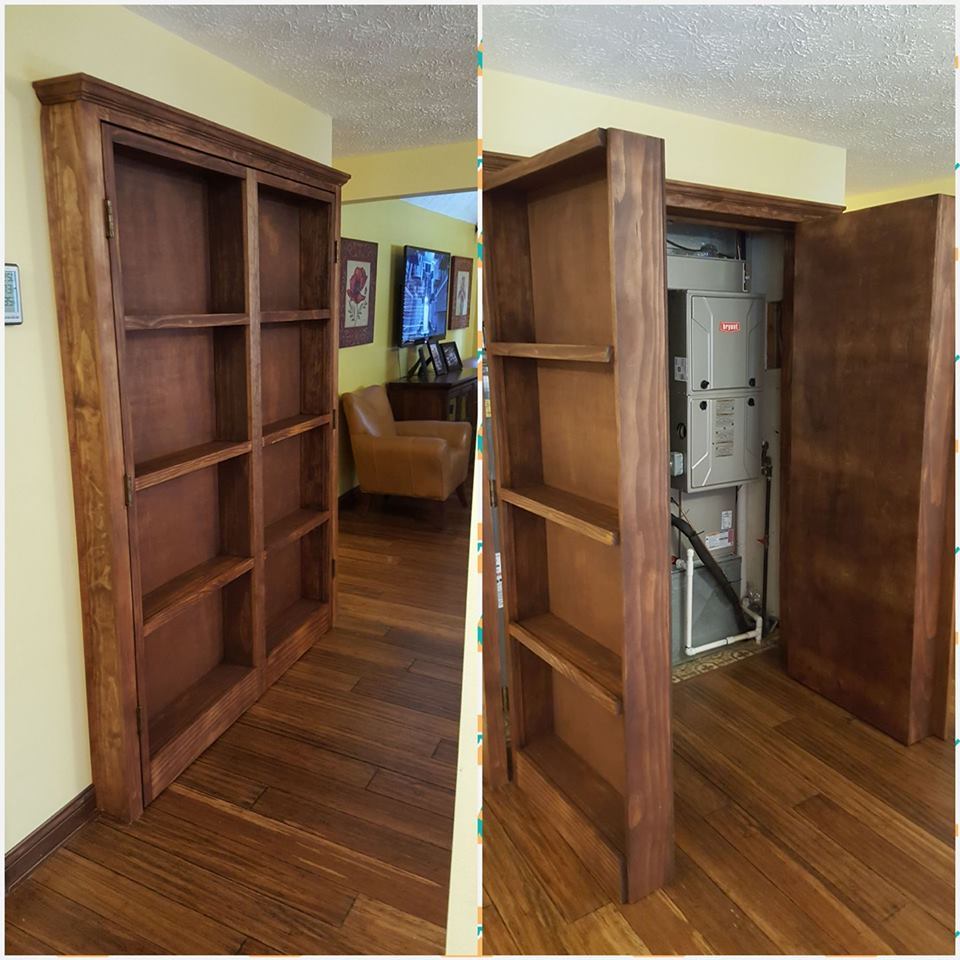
x,y
424,295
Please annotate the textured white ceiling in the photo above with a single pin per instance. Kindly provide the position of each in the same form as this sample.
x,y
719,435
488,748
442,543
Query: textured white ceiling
x,y
391,77
460,206
876,79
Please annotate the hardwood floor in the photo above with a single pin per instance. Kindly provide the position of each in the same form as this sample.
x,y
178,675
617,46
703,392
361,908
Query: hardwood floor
x,y
320,822
799,830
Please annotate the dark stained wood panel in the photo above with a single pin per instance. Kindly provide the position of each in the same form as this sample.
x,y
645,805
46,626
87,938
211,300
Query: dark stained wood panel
x,y
866,560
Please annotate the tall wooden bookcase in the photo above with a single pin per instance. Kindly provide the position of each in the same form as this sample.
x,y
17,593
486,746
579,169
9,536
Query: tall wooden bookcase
x,y
575,316
196,279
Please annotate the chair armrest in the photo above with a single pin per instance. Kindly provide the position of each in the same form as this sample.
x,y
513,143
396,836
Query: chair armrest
x,y
455,432
403,466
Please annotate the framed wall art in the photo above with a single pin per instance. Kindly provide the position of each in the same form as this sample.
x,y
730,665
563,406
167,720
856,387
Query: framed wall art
x,y
358,288
461,282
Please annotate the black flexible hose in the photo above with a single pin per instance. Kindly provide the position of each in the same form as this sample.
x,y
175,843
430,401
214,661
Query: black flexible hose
x,y
713,568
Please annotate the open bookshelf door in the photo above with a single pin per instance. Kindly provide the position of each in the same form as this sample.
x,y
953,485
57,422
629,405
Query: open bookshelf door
x,y
867,566
575,316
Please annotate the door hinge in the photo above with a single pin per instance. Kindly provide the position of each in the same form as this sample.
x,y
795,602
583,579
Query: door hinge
x,y
333,420
493,492
127,489
108,217
336,251
333,568
139,720
505,697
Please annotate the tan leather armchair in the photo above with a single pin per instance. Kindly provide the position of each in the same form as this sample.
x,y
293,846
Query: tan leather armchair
x,y
405,458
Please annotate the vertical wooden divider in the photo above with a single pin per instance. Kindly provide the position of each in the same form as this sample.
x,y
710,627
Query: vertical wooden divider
x,y
252,297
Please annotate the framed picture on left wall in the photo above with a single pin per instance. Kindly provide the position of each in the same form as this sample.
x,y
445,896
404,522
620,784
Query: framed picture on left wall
x,y
358,288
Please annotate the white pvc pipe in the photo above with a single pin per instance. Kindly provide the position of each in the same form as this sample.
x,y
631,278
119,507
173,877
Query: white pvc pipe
x,y
688,601
755,634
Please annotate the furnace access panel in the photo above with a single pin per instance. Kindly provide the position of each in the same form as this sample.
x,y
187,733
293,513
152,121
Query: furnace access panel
x,y
717,356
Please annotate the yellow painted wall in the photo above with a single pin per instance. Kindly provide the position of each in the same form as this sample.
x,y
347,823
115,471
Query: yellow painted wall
x,y
922,188
391,224
525,116
408,173
47,755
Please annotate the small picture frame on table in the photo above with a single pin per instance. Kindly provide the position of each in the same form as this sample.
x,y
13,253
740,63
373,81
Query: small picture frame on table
x,y
451,355
436,355
461,282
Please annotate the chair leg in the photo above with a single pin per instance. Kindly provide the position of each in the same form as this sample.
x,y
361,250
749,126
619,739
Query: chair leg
x,y
462,493
363,504
443,514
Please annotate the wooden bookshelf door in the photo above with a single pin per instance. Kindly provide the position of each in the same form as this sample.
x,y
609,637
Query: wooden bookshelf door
x,y
179,263
296,231
576,321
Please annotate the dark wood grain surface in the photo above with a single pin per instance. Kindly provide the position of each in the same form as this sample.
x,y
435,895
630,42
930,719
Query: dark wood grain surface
x,y
322,821
871,434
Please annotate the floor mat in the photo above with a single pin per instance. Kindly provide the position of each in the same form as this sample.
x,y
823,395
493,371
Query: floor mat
x,y
723,657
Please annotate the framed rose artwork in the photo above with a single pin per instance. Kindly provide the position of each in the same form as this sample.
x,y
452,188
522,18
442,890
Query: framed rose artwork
x,y
461,280
358,288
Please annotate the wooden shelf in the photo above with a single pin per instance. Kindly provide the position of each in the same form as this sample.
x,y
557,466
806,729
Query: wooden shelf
x,y
595,520
151,472
291,426
579,352
580,804
163,604
291,623
594,668
180,713
293,527
292,316
188,320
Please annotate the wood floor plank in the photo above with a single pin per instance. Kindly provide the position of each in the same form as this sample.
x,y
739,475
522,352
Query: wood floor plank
x,y
934,894
872,896
602,932
331,861
663,927
417,857
19,943
791,877
425,694
170,925
718,919
563,875
374,927
67,926
927,803
792,930
235,905
913,931
497,939
210,778
518,893
295,752
439,671
426,796
361,805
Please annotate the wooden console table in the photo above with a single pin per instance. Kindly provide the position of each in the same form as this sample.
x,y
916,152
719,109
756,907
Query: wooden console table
x,y
452,396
